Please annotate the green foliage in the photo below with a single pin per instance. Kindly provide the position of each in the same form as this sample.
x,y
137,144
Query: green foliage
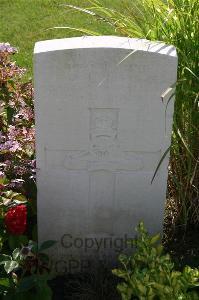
x,y
149,274
174,22
22,23
24,267
28,270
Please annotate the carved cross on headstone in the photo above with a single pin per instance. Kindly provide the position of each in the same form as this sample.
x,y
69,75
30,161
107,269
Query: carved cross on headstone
x,y
103,158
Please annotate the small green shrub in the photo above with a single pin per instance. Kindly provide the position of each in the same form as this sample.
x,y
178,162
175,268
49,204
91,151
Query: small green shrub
x,y
149,274
26,273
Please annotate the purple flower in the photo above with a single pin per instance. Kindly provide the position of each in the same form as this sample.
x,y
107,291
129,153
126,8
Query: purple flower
x,y
5,47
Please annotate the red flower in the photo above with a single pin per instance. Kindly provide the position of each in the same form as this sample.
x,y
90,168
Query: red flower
x,y
15,219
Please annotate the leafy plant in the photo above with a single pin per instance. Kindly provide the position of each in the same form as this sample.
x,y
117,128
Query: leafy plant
x,y
24,270
16,120
149,274
174,22
17,150
28,269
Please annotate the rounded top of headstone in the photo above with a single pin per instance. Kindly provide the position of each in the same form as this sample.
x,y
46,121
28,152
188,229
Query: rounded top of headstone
x,y
86,42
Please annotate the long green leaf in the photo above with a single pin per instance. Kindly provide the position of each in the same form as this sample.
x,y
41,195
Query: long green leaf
x,y
159,164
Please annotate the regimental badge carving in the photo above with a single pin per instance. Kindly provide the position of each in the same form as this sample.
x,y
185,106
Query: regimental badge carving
x,y
103,130
104,151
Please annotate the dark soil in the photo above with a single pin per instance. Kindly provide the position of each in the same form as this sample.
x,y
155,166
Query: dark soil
x,y
184,247
182,242
100,285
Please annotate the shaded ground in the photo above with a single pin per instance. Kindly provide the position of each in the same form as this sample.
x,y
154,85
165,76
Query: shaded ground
x,y
98,286
182,242
184,247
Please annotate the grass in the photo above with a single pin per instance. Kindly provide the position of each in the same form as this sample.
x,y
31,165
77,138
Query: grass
x,y
24,22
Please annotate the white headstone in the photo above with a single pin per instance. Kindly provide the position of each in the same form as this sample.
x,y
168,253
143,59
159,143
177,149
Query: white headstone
x,y
101,129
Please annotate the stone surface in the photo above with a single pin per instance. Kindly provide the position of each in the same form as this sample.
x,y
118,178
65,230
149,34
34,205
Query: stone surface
x,y
101,129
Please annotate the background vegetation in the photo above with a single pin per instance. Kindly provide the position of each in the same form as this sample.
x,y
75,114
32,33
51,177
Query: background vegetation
x,y
24,22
